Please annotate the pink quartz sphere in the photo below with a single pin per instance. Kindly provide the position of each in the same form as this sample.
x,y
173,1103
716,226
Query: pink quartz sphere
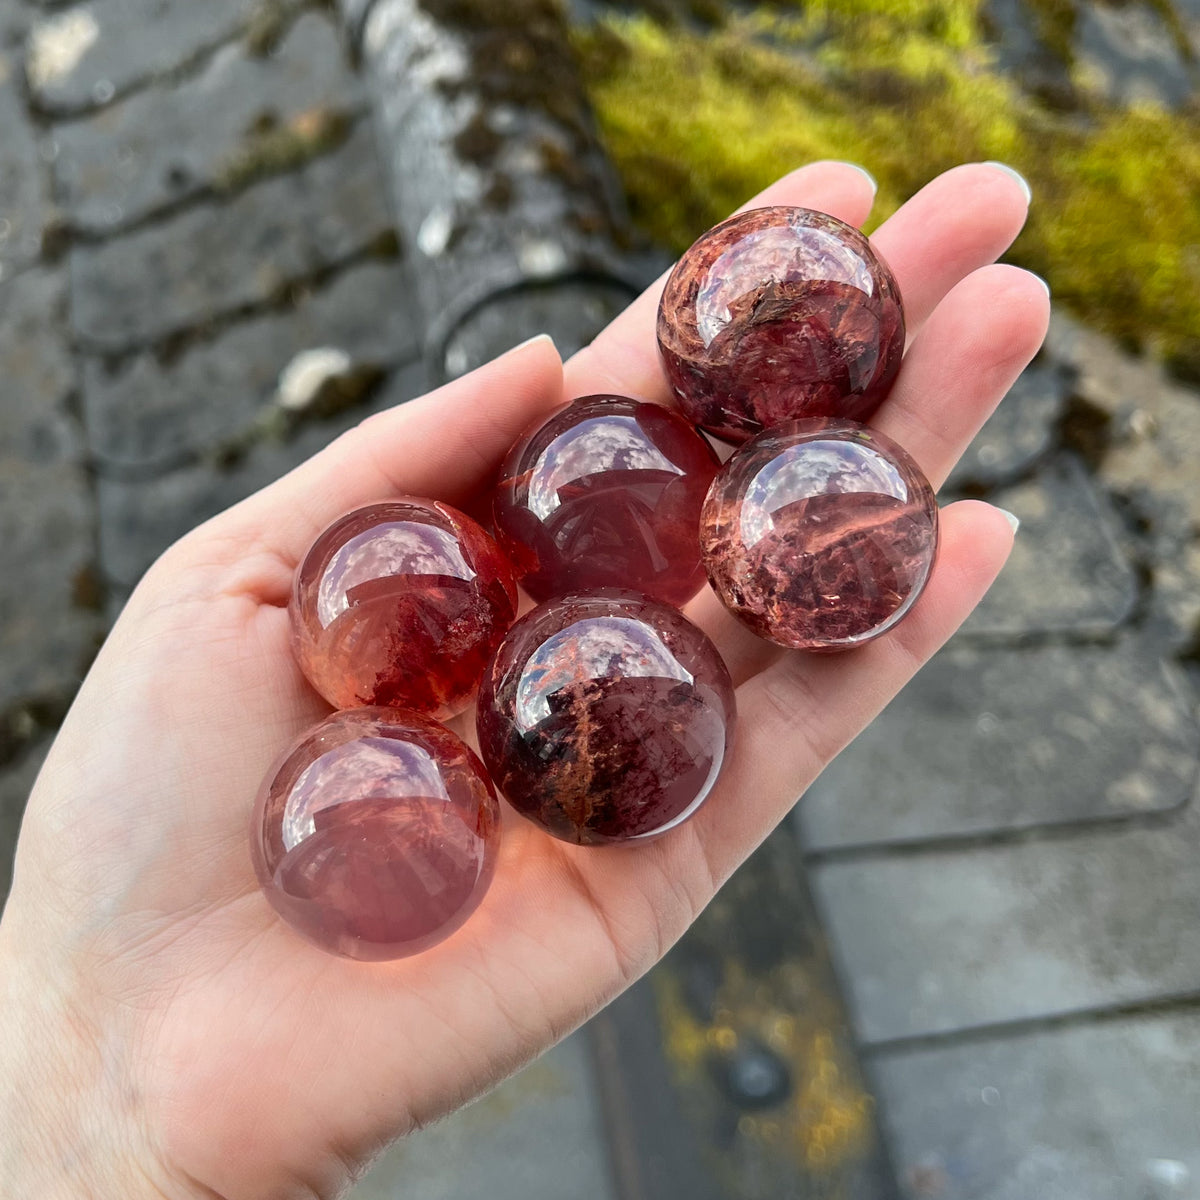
x,y
605,718
777,314
401,603
819,535
375,835
606,492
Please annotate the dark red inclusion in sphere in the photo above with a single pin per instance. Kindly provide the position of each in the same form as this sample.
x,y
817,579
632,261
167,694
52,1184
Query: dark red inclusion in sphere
x,y
605,718
401,603
375,834
777,314
819,535
606,492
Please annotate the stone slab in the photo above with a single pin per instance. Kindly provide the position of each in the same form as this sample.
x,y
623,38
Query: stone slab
x,y
22,212
49,626
49,629
1019,432
988,739
37,372
1152,431
16,782
1097,1112
140,519
1128,55
1067,572
82,56
729,1072
144,414
242,115
536,1137
941,940
216,259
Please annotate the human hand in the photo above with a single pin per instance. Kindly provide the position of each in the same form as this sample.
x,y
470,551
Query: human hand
x,y
166,1034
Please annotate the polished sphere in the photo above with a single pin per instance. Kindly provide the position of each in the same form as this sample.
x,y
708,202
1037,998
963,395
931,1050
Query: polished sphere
x,y
777,314
819,535
605,718
606,492
401,603
375,834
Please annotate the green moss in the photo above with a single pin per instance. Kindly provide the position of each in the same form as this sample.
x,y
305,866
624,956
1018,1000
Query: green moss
x,y
699,120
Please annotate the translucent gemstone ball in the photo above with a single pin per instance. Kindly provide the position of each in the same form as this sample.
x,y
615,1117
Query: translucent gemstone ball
x,y
606,492
401,603
605,718
819,535
778,314
375,835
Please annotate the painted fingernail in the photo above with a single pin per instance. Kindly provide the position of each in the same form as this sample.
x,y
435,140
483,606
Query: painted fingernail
x,y
537,337
865,174
991,162
1014,522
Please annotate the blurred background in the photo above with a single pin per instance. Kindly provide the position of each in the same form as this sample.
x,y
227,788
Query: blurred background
x,y
969,967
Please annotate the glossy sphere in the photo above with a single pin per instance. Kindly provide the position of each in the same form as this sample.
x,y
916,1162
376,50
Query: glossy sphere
x,y
605,718
375,835
401,603
777,314
819,535
606,492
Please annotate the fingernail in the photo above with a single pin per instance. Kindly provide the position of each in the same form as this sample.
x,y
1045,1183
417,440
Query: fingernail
x,y
537,337
991,162
1041,281
865,174
1014,522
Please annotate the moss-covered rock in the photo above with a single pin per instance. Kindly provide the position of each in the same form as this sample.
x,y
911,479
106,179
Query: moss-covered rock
x,y
698,118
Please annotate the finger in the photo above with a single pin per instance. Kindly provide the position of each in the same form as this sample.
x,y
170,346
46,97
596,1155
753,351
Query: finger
x,y
962,220
970,352
623,358
446,445
794,717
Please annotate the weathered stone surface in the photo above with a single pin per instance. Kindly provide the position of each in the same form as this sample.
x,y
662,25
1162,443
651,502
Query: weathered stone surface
x,y
36,371
85,55
21,170
1067,572
212,260
949,939
1150,427
14,18
241,116
989,739
47,628
543,1125
1128,54
140,520
1099,1112
1018,433
144,413
48,631
16,782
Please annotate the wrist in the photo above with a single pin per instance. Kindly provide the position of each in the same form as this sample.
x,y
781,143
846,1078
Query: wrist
x,y
71,1119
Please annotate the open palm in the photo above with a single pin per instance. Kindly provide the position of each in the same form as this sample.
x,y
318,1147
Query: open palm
x,y
183,1041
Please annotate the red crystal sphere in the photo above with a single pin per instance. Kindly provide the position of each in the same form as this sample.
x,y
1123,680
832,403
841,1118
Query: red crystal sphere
x,y
819,535
778,314
607,717
606,492
375,834
401,603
